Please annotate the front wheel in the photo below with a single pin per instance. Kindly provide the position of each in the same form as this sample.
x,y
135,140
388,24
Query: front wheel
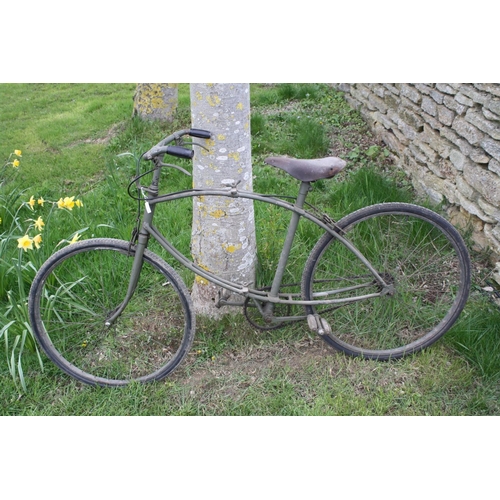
x,y
79,288
420,256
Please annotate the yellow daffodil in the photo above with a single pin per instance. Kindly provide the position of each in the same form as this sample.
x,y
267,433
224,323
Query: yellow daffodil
x,y
37,240
31,203
41,201
25,243
69,203
15,163
74,239
79,203
0,220
66,203
39,224
18,152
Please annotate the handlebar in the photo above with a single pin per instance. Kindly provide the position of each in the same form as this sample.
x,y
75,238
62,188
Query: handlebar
x,y
180,152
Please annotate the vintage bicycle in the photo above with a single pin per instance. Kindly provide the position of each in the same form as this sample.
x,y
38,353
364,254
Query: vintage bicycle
x,y
383,282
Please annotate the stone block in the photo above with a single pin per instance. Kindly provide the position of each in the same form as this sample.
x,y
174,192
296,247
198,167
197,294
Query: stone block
x,y
390,139
467,131
471,207
463,145
493,237
454,105
429,152
435,124
354,103
377,103
410,165
478,155
465,189
391,100
490,210
429,106
418,154
379,90
483,124
493,105
423,88
343,87
494,166
437,96
490,115
443,169
485,182
462,99
391,88
408,132
384,120
401,137
412,119
446,88
492,147
496,233
410,92
458,159
429,185
445,115
369,117
492,88
436,142
474,94
361,89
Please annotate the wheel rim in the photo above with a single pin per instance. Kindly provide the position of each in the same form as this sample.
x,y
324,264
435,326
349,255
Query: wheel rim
x,y
422,265
75,300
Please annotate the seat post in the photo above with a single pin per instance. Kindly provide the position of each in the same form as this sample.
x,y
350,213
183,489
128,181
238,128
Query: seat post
x,y
305,187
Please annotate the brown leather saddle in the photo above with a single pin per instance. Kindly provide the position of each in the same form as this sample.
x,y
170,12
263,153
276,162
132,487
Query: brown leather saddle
x,y
308,170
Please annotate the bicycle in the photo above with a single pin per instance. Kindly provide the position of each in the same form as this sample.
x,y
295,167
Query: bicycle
x,y
383,282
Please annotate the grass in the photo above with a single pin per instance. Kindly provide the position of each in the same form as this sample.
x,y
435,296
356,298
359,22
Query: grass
x,y
70,136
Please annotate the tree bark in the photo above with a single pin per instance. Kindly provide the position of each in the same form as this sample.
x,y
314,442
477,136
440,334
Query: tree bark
x,y
223,232
156,101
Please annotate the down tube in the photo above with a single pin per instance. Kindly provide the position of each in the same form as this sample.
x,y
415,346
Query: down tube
x,y
234,193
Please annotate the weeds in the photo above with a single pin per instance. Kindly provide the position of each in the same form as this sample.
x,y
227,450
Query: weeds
x,y
26,222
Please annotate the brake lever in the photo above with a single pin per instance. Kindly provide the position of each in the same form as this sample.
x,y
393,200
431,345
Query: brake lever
x,y
191,143
176,167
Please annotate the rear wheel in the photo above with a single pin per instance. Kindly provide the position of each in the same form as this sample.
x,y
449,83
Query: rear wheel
x,y
422,258
77,290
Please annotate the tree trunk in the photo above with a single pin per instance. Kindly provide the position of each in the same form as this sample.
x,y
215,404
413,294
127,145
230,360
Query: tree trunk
x,y
223,233
156,101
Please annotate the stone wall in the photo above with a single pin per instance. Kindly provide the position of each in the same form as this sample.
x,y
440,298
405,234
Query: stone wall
x,y
447,137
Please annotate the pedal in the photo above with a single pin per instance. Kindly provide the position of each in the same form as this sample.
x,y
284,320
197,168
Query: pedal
x,y
318,324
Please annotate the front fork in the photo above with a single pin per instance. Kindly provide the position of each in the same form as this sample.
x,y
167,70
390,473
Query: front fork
x,y
140,247
142,243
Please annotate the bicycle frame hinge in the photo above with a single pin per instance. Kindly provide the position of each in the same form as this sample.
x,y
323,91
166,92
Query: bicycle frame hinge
x,y
233,185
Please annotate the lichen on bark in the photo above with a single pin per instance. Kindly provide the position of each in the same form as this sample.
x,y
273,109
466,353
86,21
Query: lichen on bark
x,y
223,233
156,101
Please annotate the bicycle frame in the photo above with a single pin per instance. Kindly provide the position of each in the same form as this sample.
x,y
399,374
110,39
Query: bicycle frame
x,y
268,297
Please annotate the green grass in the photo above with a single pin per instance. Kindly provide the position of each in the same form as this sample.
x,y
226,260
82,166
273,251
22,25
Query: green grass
x,y
71,135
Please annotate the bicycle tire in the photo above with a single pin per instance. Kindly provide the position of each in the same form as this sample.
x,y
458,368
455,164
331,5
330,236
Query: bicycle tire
x,y
74,293
414,249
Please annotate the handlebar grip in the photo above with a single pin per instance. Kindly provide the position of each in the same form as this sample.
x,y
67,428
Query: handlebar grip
x,y
201,134
180,152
